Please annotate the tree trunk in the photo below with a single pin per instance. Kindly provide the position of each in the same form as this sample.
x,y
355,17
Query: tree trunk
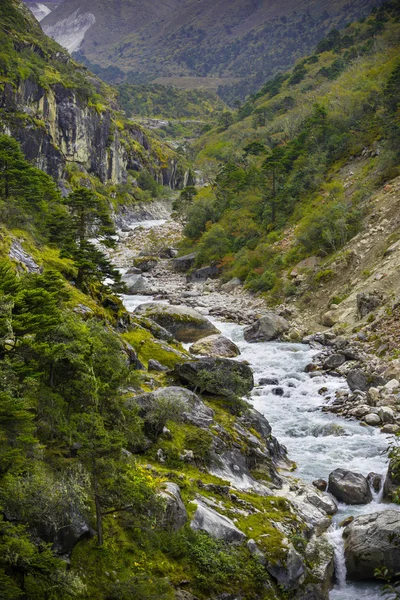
x,y
99,521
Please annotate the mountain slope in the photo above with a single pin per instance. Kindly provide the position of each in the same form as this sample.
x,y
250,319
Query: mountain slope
x,y
296,175
239,44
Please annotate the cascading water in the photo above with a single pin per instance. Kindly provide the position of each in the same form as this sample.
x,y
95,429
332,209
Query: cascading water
x,y
318,442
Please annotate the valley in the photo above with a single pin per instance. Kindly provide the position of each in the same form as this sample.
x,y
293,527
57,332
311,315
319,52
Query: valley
x,y
199,301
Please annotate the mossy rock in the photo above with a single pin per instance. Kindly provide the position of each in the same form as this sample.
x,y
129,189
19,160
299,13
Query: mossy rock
x,y
185,324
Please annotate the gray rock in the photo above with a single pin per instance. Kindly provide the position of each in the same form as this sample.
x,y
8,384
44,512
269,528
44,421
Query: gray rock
x,y
231,285
175,514
375,481
289,572
136,284
357,380
185,324
348,487
334,361
184,263
324,503
373,542
270,327
368,302
210,272
18,254
220,376
195,411
392,481
386,414
372,419
255,551
320,484
269,381
215,346
68,536
216,525
154,365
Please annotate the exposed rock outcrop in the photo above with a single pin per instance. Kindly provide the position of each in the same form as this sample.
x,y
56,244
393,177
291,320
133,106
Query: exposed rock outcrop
x,y
218,526
220,376
373,542
185,324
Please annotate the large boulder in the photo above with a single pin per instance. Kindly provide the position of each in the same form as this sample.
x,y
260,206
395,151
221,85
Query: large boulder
x,y
392,481
270,327
136,284
231,285
192,408
210,272
218,526
220,376
215,345
349,487
184,263
367,302
373,542
185,324
175,515
357,380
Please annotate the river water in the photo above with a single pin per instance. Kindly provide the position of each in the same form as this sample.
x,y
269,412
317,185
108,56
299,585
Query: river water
x,y
317,442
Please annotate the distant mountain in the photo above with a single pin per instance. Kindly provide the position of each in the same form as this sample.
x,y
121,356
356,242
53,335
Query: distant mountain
x,y
234,45
41,9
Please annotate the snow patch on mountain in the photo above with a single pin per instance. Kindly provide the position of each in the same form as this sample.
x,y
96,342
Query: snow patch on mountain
x,y
39,10
70,32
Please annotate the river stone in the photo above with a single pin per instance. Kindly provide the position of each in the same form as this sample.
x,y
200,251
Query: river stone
x,y
349,487
185,324
136,284
324,503
386,414
216,525
375,481
184,263
372,419
320,484
373,542
220,376
357,380
175,515
215,345
334,361
270,327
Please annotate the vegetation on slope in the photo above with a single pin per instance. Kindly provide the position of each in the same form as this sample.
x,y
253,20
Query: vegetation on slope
x,y
248,42
155,100
275,193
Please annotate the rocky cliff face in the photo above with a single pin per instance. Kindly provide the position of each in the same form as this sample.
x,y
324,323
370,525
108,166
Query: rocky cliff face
x,y
55,127
61,114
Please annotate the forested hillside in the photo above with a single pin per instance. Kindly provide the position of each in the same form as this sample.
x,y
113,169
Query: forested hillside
x,y
130,466
278,192
235,46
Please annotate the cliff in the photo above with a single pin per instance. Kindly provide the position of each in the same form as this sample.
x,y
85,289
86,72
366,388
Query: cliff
x,y
62,114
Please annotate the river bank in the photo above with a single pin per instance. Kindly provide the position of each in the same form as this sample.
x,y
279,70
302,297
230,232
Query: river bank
x,y
318,440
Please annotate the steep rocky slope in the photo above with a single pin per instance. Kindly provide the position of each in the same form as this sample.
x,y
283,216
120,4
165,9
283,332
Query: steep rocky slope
x,y
63,115
239,44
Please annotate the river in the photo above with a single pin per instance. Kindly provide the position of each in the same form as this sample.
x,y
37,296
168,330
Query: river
x,y
316,441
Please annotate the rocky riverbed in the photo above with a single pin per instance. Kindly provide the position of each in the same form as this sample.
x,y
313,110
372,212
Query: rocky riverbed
x,y
302,390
